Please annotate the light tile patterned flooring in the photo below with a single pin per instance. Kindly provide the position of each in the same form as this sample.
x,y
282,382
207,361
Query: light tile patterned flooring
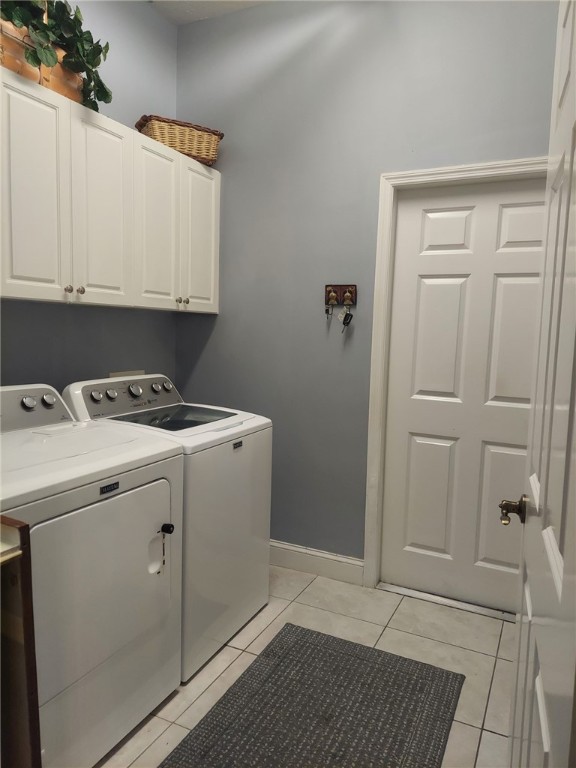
x,y
479,647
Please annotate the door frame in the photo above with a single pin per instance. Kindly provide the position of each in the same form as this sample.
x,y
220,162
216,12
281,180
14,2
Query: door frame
x,y
390,186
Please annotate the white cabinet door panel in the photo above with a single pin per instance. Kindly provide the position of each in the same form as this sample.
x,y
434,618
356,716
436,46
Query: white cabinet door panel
x,y
200,225
157,221
35,191
103,208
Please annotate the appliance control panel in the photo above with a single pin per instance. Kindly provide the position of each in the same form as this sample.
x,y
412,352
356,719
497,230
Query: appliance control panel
x,y
112,397
30,406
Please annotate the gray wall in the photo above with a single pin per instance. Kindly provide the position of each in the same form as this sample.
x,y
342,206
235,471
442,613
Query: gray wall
x,y
316,100
141,66
57,344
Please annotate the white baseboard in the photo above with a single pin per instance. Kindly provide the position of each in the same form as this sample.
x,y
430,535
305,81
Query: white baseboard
x,y
339,567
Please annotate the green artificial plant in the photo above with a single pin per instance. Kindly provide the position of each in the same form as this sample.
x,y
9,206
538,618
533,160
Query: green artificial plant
x,y
54,25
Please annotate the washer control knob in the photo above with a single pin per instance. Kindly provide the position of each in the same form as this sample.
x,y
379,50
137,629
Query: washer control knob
x,y
48,400
96,395
156,387
135,390
29,403
111,394
168,386
167,528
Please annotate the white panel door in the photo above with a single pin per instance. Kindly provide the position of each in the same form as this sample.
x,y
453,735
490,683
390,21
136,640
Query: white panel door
x,y
200,227
157,221
461,351
36,221
544,729
103,209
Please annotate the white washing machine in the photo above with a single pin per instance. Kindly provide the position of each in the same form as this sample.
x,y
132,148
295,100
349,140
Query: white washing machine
x,y
104,506
227,486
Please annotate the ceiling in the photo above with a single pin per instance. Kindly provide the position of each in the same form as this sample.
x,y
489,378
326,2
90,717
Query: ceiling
x,y
187,11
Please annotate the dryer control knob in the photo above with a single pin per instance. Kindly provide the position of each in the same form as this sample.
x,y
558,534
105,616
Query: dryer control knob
x,y
96,395
111,394
156,387
48,400
168,386
167,528
29,403
135,390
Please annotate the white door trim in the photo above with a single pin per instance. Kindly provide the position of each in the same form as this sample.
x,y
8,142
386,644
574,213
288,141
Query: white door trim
x,y
390,185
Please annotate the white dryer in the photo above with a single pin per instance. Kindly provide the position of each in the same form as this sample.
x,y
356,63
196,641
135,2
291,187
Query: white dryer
x,y
227,487
104,506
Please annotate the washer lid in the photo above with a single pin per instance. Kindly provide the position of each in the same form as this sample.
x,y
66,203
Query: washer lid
x,y
37,463
29,448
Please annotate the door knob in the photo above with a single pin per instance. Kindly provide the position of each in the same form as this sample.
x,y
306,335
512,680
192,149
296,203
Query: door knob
x,y
167,528
513,507
81,290
68,289
186,301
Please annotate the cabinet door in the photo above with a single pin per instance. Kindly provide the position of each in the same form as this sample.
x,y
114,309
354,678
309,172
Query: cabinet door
x,y
157,220
36,247
102,208
200,230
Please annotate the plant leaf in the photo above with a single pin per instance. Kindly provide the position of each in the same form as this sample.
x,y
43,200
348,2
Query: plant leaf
x,y
47,56
32,57
73,63
78,14
67,28
101,91
21,17
39,36
105,50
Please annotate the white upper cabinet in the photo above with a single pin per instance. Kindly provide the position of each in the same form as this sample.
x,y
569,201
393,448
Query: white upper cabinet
x,y
157,219
36,220
96,213
102,209
200,228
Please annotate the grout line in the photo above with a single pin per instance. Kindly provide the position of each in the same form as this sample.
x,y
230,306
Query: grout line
x,y
154,742
388,622
488,697
242,650
127,740
303,590
452,645
292,599
459,605
165,720
500,641
469,725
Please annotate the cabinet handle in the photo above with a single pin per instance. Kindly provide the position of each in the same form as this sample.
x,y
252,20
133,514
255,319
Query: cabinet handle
x,y
81,290
68,289
186,301
179,300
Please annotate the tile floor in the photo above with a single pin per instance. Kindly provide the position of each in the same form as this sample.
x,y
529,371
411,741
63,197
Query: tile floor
x,y
479,647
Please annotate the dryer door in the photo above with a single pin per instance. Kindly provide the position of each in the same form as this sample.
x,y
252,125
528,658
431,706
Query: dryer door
x,y
100,581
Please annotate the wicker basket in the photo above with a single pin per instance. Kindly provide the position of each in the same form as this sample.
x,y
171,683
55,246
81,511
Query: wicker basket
x,y
192,140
